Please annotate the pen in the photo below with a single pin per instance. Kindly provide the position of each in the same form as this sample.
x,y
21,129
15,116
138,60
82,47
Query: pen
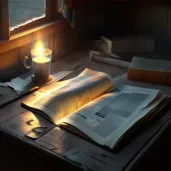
x,y
30,90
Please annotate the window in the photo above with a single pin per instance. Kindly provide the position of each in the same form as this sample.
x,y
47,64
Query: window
x,y
19,15
24,12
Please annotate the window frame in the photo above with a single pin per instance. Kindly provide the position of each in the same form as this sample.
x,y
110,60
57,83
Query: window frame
x,y
51,15
4,20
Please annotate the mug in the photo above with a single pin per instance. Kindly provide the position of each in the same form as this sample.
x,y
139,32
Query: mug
x,y
41,64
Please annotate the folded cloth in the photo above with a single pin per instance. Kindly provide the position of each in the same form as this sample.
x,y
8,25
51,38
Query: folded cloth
x,y
68,11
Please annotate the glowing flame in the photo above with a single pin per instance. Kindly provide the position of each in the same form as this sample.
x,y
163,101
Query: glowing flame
x,y
39,49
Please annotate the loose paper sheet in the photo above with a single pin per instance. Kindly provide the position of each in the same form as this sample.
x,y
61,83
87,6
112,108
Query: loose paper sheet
x,y
25,82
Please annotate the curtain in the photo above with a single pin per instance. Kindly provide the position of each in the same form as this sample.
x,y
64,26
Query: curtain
x,y
68,11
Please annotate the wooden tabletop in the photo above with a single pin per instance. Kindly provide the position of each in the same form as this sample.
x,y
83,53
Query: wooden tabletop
x,y
17,121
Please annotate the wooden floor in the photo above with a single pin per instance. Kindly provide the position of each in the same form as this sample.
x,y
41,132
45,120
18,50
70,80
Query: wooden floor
x,y
18,156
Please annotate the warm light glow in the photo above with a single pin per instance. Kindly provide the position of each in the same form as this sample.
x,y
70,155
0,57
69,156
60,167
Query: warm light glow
x,y
39,49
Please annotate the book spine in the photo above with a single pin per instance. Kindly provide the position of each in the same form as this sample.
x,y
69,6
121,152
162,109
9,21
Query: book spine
x,y
156,77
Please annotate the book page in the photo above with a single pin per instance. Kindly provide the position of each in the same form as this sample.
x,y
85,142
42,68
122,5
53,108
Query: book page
x,y
73,94
108,117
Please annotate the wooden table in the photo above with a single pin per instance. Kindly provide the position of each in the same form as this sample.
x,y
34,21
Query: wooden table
x,y
59,149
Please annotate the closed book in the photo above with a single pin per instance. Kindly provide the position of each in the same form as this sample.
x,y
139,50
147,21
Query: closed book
x,y
150,70
126,44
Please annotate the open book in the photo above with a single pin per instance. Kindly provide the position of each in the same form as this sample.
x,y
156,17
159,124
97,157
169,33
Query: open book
x,y
91,104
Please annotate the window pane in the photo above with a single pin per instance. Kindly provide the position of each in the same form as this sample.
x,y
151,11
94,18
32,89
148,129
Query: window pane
x,y
25,11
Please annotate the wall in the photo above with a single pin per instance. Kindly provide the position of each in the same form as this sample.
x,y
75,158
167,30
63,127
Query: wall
x,y
119,18
141,17
90,17
154,19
